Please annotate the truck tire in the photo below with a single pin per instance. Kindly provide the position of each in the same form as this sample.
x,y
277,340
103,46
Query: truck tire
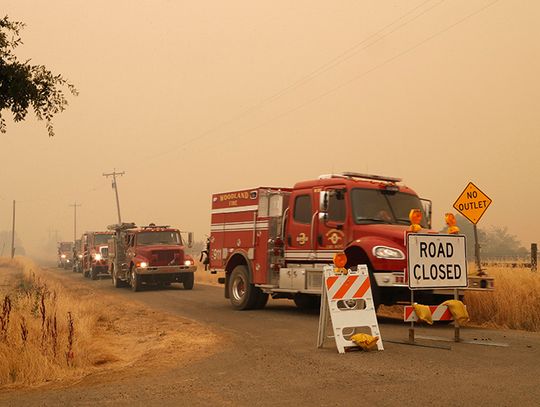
x,y
117,283
188,280
307,301
93,273
135,280
243,295
261,300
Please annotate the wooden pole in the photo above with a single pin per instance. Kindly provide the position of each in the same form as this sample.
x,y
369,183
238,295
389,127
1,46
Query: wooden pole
x,y
534,257
13,233
477,252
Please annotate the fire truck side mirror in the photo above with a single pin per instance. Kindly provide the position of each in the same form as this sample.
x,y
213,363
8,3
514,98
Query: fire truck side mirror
x,y
190,239
323,202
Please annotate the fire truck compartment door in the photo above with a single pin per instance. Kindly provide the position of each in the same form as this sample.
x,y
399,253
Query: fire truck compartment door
x,y
292,278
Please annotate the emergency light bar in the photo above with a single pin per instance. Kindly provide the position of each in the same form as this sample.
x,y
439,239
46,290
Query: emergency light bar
x,y
370,176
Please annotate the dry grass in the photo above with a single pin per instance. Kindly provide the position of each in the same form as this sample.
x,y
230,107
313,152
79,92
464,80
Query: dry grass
x,y
56,329
45,334
515,303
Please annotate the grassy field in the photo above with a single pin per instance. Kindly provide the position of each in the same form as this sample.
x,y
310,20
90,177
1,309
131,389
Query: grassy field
x,y
54,329
515,303
45,334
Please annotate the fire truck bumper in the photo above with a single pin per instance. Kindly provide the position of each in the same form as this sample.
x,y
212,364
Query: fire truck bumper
x,y
155,270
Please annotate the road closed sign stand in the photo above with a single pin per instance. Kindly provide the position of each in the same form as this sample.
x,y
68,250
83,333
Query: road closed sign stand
x,y
436,261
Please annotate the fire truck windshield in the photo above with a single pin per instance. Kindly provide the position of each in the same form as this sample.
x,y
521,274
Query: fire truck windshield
x,y
161,237
382,206
66,247
100,239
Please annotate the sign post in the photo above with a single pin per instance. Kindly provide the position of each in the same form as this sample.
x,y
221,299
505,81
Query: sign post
x,y
436,261
472,203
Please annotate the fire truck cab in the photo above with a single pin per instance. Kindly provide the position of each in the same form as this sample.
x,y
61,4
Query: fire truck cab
x,y
276,241
149,254
65,254
95,250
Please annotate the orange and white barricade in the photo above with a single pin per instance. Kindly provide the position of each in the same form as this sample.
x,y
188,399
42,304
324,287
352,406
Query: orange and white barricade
x,y
349,301
438,313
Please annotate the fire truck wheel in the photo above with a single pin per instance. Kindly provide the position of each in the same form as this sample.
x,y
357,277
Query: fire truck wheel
x,y
307,301
243,295
261,300
188,280
135,281
93,273
117,283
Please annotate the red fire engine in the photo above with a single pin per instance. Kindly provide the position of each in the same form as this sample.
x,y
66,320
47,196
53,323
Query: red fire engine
x,y
95,250
275,241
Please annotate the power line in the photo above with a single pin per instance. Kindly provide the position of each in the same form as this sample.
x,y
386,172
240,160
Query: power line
x,y
340,58
369,71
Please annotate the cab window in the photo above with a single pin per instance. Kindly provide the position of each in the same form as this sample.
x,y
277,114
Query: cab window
x,y
302,209
336,206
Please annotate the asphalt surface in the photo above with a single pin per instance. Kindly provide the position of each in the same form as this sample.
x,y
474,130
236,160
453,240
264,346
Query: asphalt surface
x,y
269,357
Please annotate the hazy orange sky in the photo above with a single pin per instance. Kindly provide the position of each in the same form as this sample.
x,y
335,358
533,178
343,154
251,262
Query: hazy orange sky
x,y
190,98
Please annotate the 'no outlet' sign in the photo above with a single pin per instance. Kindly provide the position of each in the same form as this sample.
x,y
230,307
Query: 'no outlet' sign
x,y
436,261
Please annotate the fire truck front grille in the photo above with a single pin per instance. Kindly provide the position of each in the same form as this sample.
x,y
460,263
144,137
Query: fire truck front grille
x,y
166,257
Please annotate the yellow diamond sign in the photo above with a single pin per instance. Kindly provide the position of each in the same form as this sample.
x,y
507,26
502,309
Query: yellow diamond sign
x,y
472,203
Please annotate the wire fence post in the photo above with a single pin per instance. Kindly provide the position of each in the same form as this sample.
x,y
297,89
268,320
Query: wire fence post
x,y
534,257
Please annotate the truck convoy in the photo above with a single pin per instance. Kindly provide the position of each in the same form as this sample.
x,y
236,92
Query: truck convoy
x,y
65,254
149,255
275,241
95,251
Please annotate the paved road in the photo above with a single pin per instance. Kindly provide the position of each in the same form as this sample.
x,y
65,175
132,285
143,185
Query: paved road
x,y
268,357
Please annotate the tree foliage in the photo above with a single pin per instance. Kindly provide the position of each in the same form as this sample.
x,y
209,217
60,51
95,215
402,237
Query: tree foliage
x,y
495,241
23,85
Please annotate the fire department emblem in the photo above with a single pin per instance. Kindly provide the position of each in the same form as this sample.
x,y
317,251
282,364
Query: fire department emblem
x,y
302,239
334,236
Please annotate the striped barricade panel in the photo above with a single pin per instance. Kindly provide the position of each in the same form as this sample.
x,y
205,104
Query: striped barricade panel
x,y
350,305
438,313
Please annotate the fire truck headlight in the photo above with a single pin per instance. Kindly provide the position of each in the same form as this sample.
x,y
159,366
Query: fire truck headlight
x,y
188,263
79,256
143,265
385,252
63,256
97,257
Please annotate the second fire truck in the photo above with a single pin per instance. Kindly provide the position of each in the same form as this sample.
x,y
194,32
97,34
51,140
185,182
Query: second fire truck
x,y
276,241
149,255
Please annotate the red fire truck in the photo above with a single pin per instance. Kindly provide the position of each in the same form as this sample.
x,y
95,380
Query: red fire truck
x,y
150,255
95,250
275,241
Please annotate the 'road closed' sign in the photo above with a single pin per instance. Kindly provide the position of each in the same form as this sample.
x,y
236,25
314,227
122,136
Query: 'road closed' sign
x,y
436,261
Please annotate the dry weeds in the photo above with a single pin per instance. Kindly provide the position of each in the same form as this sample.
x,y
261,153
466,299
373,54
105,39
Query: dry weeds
x,y
515,303
50,332
44,332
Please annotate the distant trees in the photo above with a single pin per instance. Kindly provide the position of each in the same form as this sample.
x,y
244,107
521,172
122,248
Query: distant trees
x,y
23,85
495,241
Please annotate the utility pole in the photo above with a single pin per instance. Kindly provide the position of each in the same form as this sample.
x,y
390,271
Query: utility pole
x,y
13,233
75,205
113,175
